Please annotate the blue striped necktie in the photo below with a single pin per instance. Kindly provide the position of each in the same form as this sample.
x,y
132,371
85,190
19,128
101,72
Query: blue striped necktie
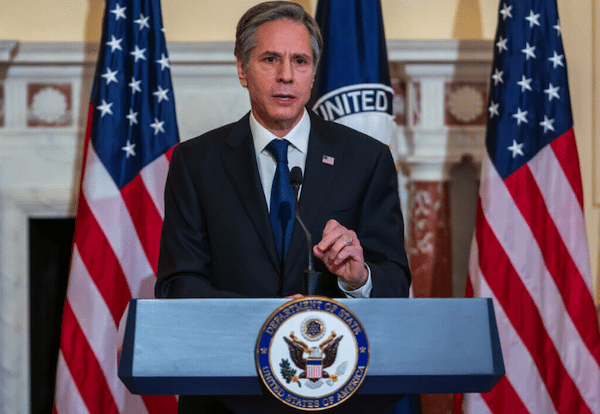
x,y
282,197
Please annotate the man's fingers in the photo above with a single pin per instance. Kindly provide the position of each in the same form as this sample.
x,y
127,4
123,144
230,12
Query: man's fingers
x,y
336,237
295,296
331,224
341,244
340,249
332,231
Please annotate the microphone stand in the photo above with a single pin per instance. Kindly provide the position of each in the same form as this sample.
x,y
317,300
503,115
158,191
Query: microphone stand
x,y
311,276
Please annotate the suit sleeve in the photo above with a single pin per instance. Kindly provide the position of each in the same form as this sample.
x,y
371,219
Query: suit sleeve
x,y
381,231
184,261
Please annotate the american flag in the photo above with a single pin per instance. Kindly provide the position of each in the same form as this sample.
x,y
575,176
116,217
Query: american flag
x,y
530,250
314,368
130,135
328,160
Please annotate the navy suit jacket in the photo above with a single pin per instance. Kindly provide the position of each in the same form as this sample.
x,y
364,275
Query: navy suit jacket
x,y
217,240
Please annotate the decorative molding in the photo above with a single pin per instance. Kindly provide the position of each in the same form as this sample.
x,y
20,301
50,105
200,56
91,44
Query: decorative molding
x,y
206,52
433,141
440,51
180,53
18,205
465,103
1,105
7,48
64,53
430,51
49,105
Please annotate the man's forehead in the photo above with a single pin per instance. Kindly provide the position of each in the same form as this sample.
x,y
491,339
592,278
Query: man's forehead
x,y
283,35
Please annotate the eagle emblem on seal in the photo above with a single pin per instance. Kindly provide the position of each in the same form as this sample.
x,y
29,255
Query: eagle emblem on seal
x,y
317,357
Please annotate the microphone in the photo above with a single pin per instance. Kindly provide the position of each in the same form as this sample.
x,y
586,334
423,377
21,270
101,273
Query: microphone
x,y
296,180
311,277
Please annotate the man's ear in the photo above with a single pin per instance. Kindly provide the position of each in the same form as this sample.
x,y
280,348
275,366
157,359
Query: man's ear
x,y
241,72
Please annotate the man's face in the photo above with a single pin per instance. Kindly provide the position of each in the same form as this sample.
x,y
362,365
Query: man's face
x,y
279,75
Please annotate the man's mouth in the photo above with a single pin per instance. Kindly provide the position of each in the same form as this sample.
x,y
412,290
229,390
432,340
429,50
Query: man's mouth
x,y
284,98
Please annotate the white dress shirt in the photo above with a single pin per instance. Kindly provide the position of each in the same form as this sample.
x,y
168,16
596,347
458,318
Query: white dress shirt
x,y
297,150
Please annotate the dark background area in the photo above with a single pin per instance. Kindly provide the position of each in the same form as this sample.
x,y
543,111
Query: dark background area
x,y
50,243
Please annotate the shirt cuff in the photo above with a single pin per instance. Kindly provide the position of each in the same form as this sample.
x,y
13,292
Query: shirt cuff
x,y
362,292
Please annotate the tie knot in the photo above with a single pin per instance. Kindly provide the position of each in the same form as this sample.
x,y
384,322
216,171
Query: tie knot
x,y
278,149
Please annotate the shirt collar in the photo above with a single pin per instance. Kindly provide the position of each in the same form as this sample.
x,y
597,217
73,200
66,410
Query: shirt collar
x,y
298,136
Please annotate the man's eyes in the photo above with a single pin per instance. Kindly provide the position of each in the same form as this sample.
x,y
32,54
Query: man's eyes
x,y
298,61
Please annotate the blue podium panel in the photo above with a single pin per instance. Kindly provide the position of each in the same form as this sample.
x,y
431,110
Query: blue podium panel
x,y
206,346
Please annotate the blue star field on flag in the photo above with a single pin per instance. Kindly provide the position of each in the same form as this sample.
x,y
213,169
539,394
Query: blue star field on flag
x,y
529,102
134,119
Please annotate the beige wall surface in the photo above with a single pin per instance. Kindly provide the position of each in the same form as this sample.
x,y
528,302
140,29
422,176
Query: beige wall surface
x,y
209,20
81,20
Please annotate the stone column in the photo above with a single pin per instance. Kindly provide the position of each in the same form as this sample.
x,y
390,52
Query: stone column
x,y
430,249
443,122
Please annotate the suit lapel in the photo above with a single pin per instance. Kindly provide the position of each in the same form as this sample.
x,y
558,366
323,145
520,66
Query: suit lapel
x,y
240,164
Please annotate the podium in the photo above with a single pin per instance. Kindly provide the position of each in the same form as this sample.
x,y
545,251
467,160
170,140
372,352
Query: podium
x,y
207,346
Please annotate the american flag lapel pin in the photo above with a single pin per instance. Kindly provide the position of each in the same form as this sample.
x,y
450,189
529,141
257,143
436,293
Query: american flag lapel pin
x,y
327,159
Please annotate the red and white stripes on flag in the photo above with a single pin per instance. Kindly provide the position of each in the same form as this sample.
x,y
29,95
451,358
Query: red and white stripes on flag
x,y
314,368
130,134
109,266
531,258
530,250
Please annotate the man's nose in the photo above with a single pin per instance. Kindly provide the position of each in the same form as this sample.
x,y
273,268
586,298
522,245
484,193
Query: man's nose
x,y
286,72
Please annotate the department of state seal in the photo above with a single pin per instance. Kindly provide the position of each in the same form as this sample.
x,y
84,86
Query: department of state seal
x,y
312,353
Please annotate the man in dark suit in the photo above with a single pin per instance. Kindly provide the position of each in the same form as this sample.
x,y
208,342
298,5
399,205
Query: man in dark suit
x,y
217,239
226,232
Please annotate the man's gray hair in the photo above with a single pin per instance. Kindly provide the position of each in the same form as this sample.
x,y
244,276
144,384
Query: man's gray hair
x,y
245,35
